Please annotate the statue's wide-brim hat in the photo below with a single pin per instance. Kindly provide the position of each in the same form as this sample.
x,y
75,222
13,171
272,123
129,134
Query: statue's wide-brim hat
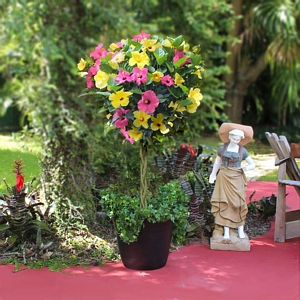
x,y
226,127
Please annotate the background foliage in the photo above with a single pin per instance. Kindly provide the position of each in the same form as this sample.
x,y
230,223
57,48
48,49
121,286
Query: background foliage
x,y
42,41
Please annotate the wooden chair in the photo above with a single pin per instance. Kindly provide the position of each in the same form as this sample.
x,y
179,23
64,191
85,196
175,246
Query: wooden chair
x,y
287,224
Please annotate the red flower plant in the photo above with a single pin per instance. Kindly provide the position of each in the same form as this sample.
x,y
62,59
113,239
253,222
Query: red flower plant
x,y
19,177
190,148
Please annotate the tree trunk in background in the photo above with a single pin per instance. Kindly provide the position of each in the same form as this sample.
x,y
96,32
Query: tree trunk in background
x,y
234,97
243,71
244,76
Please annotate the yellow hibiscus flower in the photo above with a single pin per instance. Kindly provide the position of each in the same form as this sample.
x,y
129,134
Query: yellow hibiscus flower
x,y
114,62
141,119
135,134
177,106
101,79
158,123
150,45
195,94
157,76
178,79
191,108
167,43
139,59
81,64
120,98
113,47
198,73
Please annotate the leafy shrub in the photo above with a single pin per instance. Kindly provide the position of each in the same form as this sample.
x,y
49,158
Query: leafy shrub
x,y
263,208
170,203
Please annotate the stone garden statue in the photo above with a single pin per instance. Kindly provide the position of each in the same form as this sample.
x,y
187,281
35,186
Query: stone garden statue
x,y
228,201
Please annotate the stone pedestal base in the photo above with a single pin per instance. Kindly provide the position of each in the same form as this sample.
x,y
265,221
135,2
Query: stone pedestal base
x,y
234,243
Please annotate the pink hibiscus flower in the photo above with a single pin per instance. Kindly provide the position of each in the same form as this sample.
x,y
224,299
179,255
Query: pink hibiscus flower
x,y
149,102
95,68
123,76
91,73
178,55
126,135
139,75
120,44
121,121
141,36
167,80
99,52
89,82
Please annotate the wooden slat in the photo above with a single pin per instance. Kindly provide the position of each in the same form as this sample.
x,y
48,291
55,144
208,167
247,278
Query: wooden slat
x,y
293,173
292,215
279,234
273,140
285,147
292,225
281,161
292,229
290,182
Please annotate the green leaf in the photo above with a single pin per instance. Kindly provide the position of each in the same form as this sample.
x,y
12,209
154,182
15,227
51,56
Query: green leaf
x,y
151,69
11,240
113,85
130,115
106,68
178,41
196,59
175,91
193,79
136,90
185,102
180,61
170,66
160,55
111,82
106,94
4,227
137,46
39,224
114,88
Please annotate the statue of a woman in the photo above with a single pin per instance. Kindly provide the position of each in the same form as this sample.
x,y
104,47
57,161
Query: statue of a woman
x,y
228,201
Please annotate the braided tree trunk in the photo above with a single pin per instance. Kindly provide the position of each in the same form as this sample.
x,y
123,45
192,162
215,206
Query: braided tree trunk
x,y
143,176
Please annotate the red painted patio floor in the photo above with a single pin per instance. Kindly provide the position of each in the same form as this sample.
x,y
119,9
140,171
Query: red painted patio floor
x,y
270,271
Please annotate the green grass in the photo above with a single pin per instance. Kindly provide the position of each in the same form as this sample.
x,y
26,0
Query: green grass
x,y
13,148
272,176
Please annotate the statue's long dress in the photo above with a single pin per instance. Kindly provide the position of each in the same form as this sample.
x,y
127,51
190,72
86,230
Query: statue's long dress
x,y
228,201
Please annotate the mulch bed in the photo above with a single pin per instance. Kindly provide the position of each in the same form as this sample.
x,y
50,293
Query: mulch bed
x,y
256,225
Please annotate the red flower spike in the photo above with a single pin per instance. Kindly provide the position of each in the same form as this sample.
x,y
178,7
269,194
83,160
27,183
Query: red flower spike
x,y
190,148
19,177
19,182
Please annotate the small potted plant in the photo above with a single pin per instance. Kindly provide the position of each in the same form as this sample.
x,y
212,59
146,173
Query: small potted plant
x,y
147,86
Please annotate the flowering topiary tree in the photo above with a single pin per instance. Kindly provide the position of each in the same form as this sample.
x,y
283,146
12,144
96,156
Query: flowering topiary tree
x,y
148,86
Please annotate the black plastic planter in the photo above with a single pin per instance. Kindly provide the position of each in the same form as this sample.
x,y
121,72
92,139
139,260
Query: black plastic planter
x,y
151,250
